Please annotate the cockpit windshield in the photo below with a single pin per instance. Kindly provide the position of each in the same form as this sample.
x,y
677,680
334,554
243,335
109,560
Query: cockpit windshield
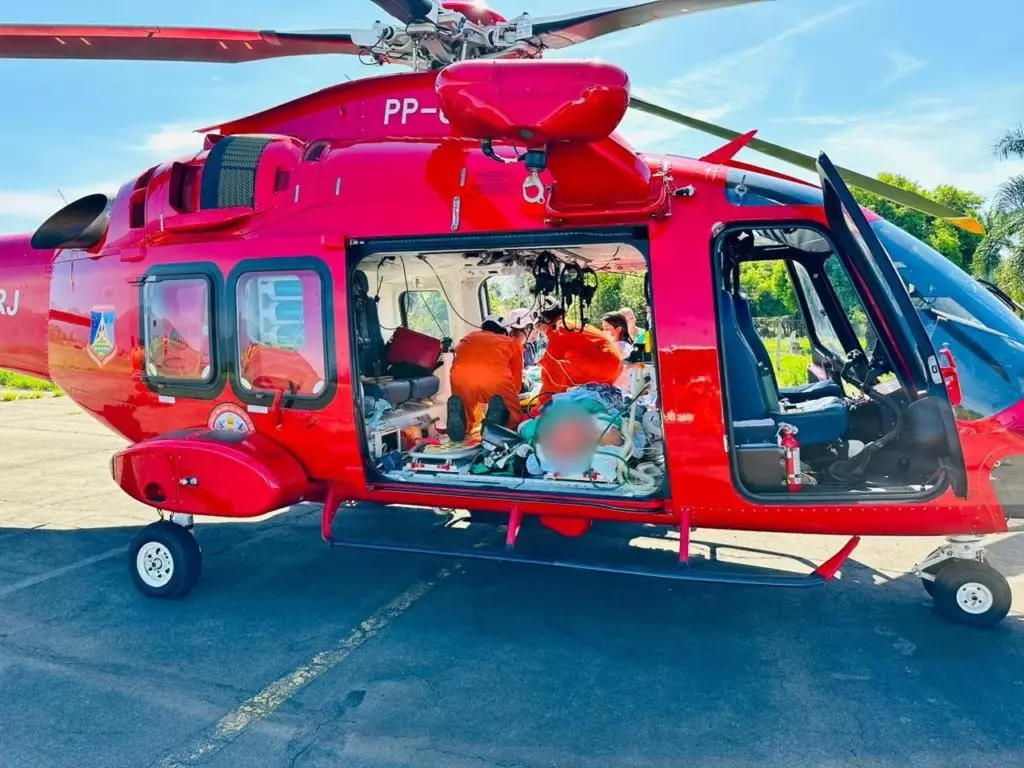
x,y
984,335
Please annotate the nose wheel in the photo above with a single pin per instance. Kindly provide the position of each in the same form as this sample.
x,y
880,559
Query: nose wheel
x,y
165,560
966,589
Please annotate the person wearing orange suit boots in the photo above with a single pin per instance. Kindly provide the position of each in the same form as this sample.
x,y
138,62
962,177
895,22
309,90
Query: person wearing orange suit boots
x,y
574,356
487,376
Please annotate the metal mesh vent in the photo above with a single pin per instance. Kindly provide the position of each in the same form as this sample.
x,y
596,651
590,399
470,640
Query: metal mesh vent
x,y
229,176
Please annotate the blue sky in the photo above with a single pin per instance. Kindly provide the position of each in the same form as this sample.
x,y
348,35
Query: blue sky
x,y
914,87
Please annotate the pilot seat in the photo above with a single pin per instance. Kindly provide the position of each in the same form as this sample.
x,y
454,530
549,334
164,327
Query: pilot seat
x,y
798,394
756,404
400,370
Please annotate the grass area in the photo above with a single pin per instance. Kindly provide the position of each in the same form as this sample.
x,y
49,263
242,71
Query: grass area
x,y
793,369
790,367
15,386
18,381
9,395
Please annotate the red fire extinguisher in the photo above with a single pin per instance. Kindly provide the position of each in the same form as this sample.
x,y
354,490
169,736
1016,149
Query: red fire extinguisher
x,y
791,449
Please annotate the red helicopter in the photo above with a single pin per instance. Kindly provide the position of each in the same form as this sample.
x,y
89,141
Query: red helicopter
x,y
275,318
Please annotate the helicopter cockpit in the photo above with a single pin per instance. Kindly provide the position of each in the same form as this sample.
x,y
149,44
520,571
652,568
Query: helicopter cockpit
x,y
806,355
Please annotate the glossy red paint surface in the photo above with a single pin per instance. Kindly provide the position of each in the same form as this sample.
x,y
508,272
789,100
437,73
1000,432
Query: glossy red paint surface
x,y
24,306
241,476
562,100
475,11
392,166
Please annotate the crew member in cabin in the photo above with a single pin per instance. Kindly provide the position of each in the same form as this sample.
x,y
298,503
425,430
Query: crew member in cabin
x,y
574,356
487,376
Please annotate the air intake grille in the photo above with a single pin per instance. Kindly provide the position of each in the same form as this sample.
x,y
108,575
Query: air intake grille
x,y
229,175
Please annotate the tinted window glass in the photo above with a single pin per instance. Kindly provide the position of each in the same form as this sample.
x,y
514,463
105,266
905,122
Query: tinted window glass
x,y
177,336
426,312
280,332
748,188
818,318
985,337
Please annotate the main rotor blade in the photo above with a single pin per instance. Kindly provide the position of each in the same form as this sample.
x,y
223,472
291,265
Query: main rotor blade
x,y
563,31
406,10
227,46
807,162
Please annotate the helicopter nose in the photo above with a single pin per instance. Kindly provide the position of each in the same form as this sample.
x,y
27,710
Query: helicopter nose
x,y
24,306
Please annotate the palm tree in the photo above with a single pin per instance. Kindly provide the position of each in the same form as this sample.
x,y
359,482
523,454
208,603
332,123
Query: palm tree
x,y
1010,197
1001,254
1011,144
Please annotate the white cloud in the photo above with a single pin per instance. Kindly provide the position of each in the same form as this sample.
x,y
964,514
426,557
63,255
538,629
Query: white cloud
x,y
26,209
723,85
932,144
172,140
903,65
23,209
931,141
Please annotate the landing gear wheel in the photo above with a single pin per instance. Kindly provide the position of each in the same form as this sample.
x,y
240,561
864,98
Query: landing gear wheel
x,y
164,560
972,593
929,586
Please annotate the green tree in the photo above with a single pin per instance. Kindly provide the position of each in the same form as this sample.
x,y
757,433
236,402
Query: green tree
x,y
767,286
617,290
952,242
1000,256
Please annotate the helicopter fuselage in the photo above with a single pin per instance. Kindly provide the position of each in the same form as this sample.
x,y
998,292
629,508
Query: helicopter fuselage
x,y
379,160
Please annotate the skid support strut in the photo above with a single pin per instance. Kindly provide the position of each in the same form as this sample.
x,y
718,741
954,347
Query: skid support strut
x,y
515,520
685,521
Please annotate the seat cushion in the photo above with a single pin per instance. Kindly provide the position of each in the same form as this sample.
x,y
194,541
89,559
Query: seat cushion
x,y
423,386
811,391
394,391
398,391
818,422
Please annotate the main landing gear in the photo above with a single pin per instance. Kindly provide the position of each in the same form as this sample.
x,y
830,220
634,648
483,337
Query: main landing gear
x,y
966,589
165,559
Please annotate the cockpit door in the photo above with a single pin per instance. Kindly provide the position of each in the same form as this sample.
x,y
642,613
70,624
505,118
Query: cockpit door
x,y
932,424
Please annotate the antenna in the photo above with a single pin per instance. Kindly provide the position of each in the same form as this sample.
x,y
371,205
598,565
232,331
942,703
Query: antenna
x,y
62,196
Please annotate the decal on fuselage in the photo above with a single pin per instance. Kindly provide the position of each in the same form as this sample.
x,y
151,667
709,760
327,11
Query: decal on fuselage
x,y
102,345
228,417
9,308
400,110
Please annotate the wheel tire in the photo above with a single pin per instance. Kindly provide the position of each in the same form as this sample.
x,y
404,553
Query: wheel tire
x,y
929,586
972,593
164,560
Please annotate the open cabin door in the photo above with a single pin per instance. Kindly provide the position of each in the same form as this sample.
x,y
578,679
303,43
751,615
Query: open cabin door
x,y
914,359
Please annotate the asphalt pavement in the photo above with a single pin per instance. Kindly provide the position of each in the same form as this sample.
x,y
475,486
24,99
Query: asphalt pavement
x,y
289,653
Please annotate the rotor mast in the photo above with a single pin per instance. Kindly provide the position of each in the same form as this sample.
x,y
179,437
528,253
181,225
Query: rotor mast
x,y
446,33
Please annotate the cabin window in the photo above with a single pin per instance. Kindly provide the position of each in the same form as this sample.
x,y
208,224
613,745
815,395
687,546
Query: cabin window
x,y
281,332
425,312
177,338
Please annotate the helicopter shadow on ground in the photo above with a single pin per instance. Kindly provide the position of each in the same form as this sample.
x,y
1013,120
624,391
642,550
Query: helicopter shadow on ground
x,y
499,663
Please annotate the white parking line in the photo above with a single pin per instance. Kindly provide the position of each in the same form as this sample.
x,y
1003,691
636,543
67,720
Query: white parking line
x,y
281,690
31,581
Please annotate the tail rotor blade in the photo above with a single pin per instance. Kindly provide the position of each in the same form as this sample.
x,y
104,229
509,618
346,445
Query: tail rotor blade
x,y
807,162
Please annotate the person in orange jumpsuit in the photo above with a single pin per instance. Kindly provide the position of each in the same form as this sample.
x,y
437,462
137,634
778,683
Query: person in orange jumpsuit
x,y
487,376
574,356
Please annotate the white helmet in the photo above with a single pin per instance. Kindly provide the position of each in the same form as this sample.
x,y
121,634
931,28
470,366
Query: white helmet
x,y
497,320
521,318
